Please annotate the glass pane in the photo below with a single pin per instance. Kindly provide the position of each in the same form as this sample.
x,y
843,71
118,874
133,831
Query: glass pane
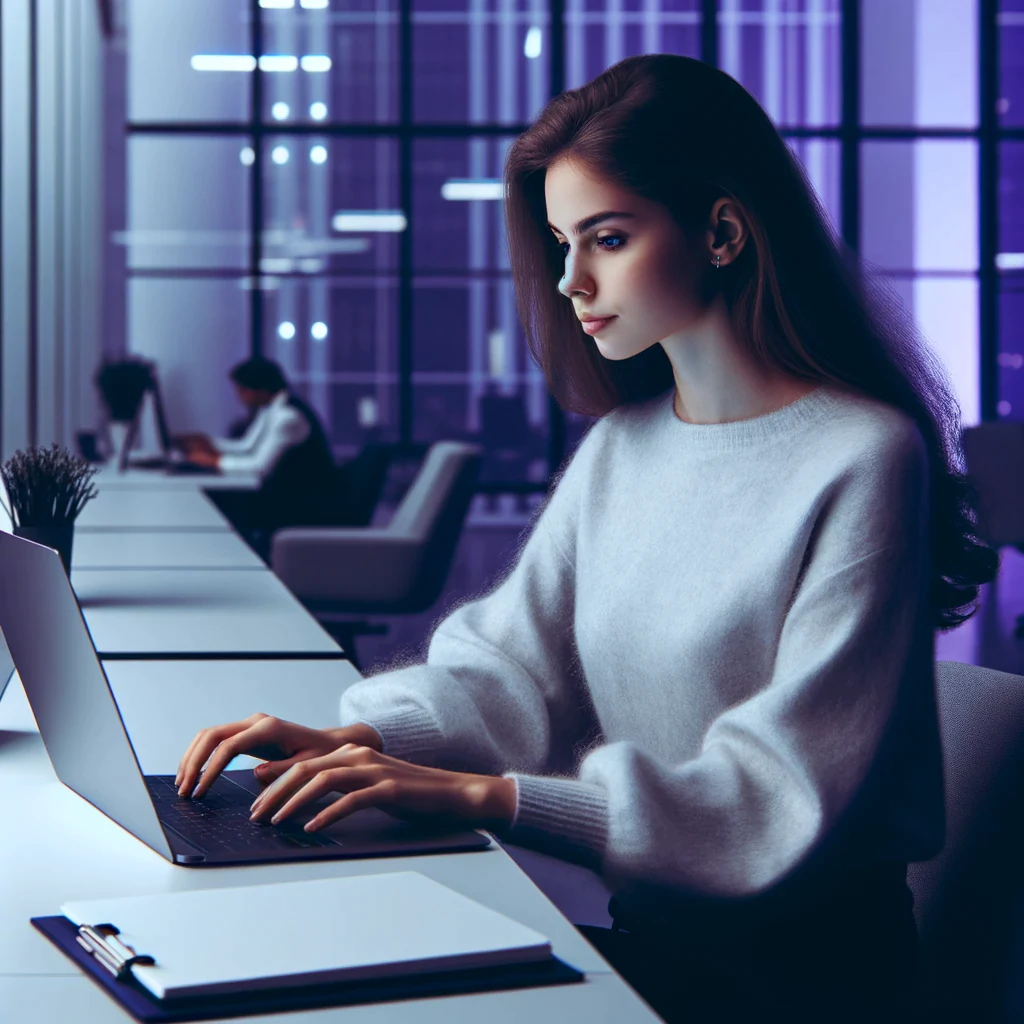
x,y
919,206
821,161
599,33
480,60
919,63
188,202
1011,206
786,55
1011,347
165,83
336,63
196,330
337,340
456,233
473,375
1010,105
331,204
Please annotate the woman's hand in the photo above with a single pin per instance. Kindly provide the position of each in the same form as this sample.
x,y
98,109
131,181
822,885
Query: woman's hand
x,y
369,778
282,743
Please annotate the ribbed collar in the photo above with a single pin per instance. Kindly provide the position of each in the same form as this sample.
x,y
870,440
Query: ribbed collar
x,y
817,406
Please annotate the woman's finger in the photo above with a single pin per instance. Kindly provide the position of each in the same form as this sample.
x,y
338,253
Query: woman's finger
x,y
380,794
228,749
319,784
208,739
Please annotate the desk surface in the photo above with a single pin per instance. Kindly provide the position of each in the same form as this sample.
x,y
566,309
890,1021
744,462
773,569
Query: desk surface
x,y
149,509
200,611
163,549
75,852
108,478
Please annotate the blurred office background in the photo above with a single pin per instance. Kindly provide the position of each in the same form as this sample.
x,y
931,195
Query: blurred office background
x,y
318,181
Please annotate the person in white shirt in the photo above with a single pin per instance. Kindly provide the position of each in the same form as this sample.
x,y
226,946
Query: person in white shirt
x,y
709,671
285,446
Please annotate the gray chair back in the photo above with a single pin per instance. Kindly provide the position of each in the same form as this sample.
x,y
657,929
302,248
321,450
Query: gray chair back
x,y
968,898
995,465
433,512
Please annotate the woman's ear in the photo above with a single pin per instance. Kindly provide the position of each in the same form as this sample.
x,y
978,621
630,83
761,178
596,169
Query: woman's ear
x,y
728,231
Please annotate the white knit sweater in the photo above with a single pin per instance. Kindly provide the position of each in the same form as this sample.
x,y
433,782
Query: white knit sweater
x,y
713,639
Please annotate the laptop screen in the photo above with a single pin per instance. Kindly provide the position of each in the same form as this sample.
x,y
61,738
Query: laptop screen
x,y
67,689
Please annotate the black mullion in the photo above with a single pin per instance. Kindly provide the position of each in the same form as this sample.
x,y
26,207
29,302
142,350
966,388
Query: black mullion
x,y
460,131
850,132
556,84
709,32
405,247
988,208
256,194
33,223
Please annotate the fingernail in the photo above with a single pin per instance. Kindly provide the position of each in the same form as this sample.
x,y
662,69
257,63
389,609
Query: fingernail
x,y
310,826
276,818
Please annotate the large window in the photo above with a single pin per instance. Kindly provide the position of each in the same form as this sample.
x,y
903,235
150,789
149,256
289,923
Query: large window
x,y
318,181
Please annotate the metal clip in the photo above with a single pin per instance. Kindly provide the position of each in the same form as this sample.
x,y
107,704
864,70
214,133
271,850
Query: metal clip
x,y
100,940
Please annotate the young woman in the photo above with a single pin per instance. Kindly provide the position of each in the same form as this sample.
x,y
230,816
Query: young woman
x,y
710,671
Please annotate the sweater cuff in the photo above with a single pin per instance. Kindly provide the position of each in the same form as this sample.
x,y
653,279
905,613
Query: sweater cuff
x,y
408,733
555,812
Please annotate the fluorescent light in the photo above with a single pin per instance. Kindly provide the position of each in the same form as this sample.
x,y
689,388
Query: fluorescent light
x,y
280,154
369,220
276,265
473,188
223,62
1010,260
247,156
286,330
311,265
278,5
280,110
318,154
315,5
318,110
319,330
314,62
278,62
534,41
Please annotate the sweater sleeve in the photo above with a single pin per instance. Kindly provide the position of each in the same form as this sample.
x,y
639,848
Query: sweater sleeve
x,y
501,687
776,772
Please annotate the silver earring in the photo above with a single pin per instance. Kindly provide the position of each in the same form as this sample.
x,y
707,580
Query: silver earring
x,y
718,263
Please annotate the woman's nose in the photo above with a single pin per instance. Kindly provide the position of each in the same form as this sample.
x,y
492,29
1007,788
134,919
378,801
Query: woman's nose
x,y
574,281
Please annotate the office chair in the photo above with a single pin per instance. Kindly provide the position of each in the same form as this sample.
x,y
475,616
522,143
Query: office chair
x,y
995,466
399,569
358,486
968,899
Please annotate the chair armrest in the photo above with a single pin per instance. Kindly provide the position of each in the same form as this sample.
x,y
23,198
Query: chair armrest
x,y
351,565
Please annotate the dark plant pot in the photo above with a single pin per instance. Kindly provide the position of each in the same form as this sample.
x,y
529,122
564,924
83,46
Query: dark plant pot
x,y
59,537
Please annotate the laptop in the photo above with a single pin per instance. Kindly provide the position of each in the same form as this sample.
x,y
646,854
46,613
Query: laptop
x,y
92,754
173,459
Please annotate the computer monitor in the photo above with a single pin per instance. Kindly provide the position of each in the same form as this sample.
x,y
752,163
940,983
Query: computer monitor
x,y
163,434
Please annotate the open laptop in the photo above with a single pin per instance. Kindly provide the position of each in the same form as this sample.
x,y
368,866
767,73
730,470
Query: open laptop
x,y
92,754
172,458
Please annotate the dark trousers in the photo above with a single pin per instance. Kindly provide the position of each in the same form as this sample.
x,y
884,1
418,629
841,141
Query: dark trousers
x,y
840,953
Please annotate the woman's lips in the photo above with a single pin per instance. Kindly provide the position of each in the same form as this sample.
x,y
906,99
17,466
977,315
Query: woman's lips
x,y
593,326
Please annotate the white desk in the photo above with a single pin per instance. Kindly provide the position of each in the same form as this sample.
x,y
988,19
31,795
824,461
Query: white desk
x,y
195,611
163,549
149,509
76,852
108,478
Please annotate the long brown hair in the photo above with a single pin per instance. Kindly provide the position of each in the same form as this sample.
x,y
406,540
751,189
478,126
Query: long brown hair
x,y
684,134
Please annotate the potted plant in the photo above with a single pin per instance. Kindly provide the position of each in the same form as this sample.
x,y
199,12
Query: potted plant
x,y
122,385
47,489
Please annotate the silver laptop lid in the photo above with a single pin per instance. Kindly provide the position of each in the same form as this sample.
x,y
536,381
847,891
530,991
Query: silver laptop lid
x,y
68,690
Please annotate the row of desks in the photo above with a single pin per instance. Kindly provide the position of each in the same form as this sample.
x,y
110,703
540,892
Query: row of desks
x,y
196,630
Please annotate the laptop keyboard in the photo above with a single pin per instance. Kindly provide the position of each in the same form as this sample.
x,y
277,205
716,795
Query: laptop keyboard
x,y
219,822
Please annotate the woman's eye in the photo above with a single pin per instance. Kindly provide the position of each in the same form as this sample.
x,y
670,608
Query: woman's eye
x,y
617,240
564,246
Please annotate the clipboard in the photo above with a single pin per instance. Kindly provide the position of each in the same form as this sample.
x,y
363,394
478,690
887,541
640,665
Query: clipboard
x,y
99,953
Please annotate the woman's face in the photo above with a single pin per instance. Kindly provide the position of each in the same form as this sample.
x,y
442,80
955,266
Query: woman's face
x,y
626,260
